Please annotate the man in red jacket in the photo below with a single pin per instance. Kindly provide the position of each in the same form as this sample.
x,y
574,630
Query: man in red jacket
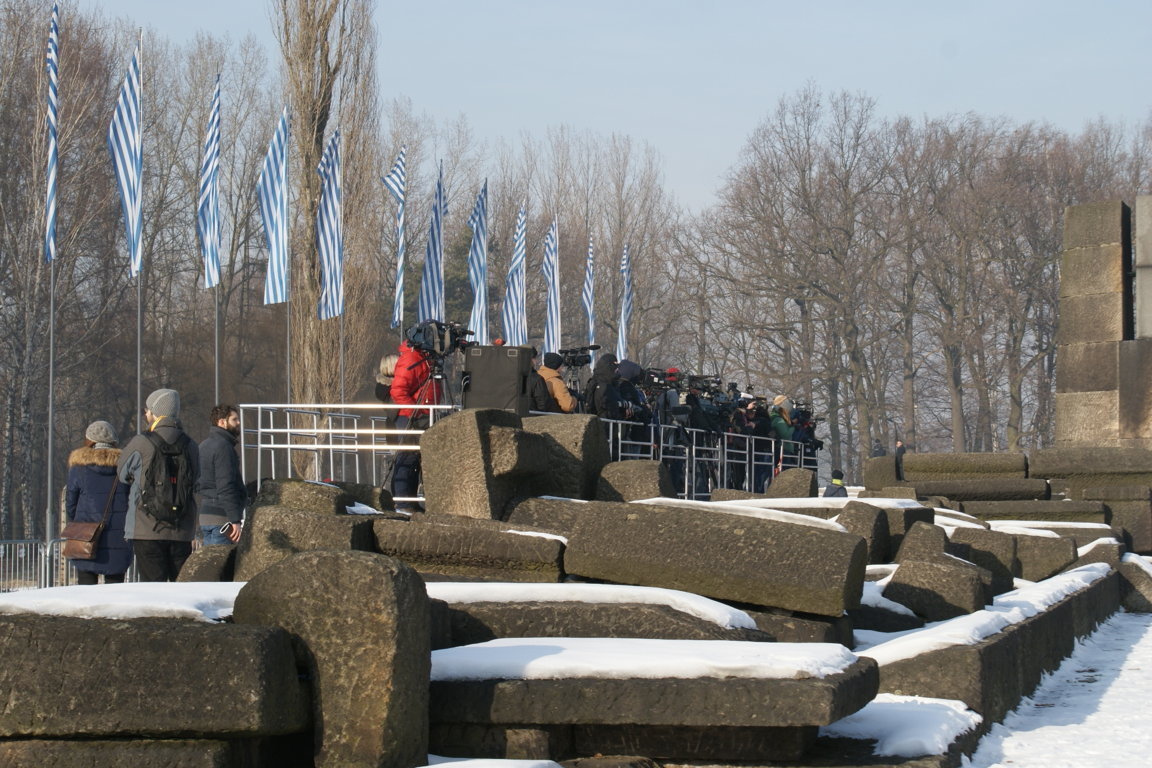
x,y
412,385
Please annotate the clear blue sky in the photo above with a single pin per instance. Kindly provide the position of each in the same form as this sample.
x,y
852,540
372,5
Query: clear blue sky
x,y
695,78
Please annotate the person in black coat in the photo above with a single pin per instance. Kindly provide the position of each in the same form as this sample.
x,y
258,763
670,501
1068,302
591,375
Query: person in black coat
x,y
836,487
92,485
604,398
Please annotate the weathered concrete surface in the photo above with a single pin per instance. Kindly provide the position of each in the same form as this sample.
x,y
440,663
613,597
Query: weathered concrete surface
x,y
216,563
797,627
993,551
920,467
576,450
634,480
1136,584
375,496
361,626
794,484
480,622
161,677
711,744
708,702
880,472
1131,513
870,523
985,489
272,534
470,553
476,460
1054,511
283,752
501,742
1077,468
716,554
938,589
1041,557
302,496
923,541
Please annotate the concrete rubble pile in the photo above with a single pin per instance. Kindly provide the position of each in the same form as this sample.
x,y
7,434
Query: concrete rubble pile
x,y
340,653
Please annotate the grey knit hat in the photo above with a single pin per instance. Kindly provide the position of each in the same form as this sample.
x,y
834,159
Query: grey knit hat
x,y
164,402
101,432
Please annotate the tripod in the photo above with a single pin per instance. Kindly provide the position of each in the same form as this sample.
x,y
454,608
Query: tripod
x,y
573,380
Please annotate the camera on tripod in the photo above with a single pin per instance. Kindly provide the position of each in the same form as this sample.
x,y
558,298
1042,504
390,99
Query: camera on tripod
x,y
578,356
439,339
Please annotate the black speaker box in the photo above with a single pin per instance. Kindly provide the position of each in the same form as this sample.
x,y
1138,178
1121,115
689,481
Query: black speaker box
x,y
497,377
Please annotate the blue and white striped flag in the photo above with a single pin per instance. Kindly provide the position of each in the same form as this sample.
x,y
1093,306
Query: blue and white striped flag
x,y
330,232
397,183
588,296
431,304
272,191
53,63
478,267
208,208
124,143
514,316
625,306
551,269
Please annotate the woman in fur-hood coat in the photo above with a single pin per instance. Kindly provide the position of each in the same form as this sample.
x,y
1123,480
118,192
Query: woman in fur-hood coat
x,y
91,478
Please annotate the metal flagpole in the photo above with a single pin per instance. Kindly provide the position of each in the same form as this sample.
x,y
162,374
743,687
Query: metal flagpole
x,y
216,360
140,275
51,505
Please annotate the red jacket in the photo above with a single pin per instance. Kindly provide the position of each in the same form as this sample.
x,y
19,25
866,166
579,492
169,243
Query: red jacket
x,y
413,384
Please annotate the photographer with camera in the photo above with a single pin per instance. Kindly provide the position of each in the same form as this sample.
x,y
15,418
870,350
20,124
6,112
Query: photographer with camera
x,y
413,383
557,389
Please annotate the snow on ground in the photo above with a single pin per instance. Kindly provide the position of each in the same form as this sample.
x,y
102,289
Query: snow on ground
x,y
1090,712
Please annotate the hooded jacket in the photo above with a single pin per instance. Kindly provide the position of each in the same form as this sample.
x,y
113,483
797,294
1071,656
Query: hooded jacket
x,y
557,389
412,383
603,395
91,477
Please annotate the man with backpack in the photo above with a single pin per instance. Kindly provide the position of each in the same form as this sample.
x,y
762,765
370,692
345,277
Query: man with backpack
x,y
162,466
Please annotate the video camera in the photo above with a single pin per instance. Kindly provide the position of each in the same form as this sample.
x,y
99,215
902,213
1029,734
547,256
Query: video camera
x,y
578,356
438,339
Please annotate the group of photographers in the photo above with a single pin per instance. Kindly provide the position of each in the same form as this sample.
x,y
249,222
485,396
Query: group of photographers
x,y
660,414
755,434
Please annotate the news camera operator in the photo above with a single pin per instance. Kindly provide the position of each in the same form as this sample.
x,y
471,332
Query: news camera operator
x,y
418,380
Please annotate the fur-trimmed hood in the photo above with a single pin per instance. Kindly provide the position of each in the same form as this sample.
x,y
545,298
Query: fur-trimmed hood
x,y
100,457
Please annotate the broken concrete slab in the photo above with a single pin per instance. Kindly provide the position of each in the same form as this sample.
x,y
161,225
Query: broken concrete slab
x,y
471,553
262,696
274,533
345,607
807,565
633,480
938,589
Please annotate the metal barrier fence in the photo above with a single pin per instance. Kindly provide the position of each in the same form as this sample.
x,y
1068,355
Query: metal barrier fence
x,y
29,564
350,443
354,443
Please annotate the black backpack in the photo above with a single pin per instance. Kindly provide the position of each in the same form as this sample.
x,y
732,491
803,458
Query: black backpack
x,y
166,488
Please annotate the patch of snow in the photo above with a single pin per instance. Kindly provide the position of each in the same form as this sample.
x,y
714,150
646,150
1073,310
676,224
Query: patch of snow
x,y
362,509
907,726
1019,530
1143,563
874,596
555,658
203,601
1033,524
1007,609
503,592
746,510
539,535
1101,542
477,762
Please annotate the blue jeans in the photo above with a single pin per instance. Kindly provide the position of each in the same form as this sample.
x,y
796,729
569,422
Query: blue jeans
x,y
213,537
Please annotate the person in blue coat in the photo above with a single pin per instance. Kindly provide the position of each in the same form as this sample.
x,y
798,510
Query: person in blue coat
x,y
91,479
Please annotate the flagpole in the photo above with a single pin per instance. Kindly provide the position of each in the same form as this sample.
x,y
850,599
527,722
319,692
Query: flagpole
x,y
216,356
140,275
51,505
50,251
